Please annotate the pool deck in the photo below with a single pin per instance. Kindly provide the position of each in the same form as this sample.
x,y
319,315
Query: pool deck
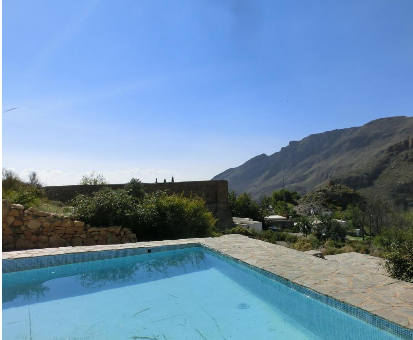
x,y
356,279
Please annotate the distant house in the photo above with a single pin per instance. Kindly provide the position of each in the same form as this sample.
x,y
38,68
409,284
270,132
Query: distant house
x,y
247,223
279,222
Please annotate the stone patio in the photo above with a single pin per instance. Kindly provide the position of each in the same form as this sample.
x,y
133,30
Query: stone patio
x,y
356,279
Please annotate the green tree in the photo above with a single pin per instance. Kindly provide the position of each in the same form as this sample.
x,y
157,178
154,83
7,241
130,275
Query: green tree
x,y
93,179
244,206
304,225
328,228
286,196
135,188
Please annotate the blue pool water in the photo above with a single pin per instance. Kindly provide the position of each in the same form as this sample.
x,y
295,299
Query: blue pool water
x,y
180,294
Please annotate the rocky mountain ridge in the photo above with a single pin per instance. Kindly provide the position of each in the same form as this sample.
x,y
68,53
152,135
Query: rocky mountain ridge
x,y
376,159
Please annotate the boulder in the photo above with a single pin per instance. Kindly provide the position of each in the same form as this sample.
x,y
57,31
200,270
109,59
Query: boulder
x,y
17,206
7,231
79,224
34,224
7,239
10,220
42,238
17,223
113,240
76,242
24,244
14,212
9,246
56,241
89,241
101,240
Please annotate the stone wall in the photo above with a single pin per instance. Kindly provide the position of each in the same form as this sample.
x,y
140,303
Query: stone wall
x,y
215,194
27,229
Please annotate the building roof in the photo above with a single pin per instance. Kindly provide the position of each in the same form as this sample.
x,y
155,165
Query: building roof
x,y
276,218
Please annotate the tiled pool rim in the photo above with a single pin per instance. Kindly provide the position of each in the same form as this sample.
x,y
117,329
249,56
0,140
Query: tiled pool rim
x,y
27,263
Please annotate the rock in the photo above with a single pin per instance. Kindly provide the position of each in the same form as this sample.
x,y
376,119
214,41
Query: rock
x,y
7,239
46,224
17,223
28,235
115,230
89,242
113,240
14,212
5,208
57,223
9,246
24,244
17,206
7,231
42,245
34,239
127,231
67,223
34,224
76,242
101,240
79,224
42,238
56,241
125,240
10,220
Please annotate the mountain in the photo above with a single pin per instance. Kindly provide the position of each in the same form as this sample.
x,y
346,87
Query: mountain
x,y
376,159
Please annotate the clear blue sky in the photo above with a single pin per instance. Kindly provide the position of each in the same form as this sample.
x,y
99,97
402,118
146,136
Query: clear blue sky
x,y
190,88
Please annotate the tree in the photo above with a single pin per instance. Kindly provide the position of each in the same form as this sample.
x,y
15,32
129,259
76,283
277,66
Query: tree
x,y
244,206
328,228
286,196
305,225
93,179
135,188
357,217
34,180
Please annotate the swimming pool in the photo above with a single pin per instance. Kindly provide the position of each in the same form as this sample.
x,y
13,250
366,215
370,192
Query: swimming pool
x,y
191,293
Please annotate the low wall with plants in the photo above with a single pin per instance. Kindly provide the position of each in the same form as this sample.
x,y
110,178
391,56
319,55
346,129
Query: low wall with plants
x,y
26,229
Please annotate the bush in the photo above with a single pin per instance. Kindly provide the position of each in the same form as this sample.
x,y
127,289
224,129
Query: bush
x,y
135,188
303,245
26,195
330,229
160,216
156,216
399,256
275,236
105,208
93,179
241,230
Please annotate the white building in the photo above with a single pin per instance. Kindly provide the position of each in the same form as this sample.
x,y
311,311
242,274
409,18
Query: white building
x,y
247,223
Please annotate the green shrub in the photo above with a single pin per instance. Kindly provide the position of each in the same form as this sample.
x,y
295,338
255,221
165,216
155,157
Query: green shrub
x,y
160,216
241,230
275,236
105,208
135,188
329,228
399,256
156,216
303,245
26,195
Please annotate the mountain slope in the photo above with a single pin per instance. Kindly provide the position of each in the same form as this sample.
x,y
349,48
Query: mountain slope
x,y
375,158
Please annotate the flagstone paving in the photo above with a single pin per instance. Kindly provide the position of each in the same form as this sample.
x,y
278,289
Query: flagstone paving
x,y
357,279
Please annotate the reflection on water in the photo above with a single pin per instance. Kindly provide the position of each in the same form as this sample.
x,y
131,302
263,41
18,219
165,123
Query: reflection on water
x,y
51,283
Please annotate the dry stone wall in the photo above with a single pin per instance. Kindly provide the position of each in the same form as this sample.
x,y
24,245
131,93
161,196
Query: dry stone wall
x,y
27,229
